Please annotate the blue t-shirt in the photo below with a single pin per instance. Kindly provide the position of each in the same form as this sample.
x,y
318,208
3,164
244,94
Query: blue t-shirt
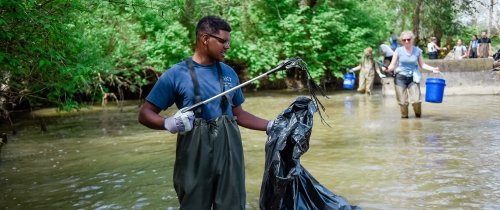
x,y
408,63
176,86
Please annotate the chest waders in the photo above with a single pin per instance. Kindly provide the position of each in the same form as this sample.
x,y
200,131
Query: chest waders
x,y
483,49
209,170
366,76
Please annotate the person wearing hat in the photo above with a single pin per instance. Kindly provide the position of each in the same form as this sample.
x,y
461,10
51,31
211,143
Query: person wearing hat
x,y
368,67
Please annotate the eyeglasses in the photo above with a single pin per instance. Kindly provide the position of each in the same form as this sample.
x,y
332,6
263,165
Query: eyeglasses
x,y
225,42
405,40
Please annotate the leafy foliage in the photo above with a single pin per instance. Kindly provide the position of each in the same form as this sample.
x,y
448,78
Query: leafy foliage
x,y
68,53
44,52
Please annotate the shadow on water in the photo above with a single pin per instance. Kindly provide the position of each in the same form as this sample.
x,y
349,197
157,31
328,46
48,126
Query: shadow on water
x,y
105,160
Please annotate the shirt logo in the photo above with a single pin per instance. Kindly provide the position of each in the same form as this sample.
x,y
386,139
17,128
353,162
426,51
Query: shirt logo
x,y
228,82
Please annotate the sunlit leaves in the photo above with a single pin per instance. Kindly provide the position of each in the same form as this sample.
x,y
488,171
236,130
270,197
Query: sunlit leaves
x,y
67,52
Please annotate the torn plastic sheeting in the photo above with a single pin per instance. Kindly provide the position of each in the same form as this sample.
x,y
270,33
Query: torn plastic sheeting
x,y
286,184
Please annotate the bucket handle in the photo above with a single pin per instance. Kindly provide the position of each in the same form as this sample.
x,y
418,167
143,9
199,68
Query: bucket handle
x,y
348,72
440,73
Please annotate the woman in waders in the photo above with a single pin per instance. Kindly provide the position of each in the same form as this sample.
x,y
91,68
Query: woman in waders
x,y
407,61
209,171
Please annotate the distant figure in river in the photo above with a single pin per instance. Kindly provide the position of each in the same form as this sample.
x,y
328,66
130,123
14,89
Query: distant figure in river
x,y
406,63
386,51
368,67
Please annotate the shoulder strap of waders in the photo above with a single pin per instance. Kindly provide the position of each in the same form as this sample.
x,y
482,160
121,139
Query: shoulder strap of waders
x,y
196,86
224,100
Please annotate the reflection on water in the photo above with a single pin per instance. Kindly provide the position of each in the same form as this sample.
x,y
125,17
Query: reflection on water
x,y
106,160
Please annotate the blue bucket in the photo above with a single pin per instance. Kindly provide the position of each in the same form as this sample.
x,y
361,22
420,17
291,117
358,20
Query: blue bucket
x,y
349,80
434,90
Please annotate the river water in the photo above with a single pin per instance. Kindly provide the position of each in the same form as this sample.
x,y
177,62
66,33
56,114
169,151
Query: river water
x,y
102,158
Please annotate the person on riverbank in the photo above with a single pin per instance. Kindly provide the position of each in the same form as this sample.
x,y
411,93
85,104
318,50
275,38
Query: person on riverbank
x,y
459,50
472,50
368,67
432,48
406,63
209,170
484,47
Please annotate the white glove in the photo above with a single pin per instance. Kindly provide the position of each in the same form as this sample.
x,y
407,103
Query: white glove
x,y
382,76
180,122
351,70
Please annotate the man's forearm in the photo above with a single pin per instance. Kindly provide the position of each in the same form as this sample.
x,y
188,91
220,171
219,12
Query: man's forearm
x,y
248,120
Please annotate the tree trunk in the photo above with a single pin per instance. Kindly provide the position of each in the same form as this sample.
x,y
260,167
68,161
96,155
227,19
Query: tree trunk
x,y
416,19
186,18
474,22
402,15
497,24
310,3
490,16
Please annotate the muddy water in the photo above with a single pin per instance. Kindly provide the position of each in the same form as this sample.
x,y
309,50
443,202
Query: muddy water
x,y
103,159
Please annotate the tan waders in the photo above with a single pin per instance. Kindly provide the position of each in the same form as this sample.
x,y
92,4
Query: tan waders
x,y
404,111
483,50
366,77
417,108
209,166
408,91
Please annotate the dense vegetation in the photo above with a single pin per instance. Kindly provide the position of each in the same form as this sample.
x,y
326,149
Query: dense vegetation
x,y
67,53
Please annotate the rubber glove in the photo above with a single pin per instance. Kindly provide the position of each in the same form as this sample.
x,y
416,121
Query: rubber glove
x,y
269,126
180,122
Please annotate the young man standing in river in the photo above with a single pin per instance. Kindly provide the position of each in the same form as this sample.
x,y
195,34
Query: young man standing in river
x,y
209,171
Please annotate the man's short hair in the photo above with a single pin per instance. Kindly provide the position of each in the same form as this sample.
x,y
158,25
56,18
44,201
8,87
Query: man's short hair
x,y
211,25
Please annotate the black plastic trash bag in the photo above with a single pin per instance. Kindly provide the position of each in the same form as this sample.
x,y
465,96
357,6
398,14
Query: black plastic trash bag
x,y
286,184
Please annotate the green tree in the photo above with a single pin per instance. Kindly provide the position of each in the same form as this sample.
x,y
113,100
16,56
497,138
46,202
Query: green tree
x,y
68,53
428,18
45,53
328,36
